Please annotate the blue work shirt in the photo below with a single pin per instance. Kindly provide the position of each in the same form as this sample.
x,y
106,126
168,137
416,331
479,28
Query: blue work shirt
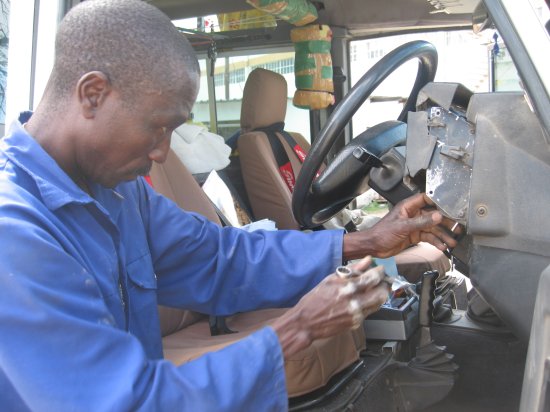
x,y
81,277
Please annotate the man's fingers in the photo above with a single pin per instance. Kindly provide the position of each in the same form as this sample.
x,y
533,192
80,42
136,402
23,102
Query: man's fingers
x,y
450,225
444,235
434,240
363,264
374,298
370,278
425,221
346,302
363,304
415,203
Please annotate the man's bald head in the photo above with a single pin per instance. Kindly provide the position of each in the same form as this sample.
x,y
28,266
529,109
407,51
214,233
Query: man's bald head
x,y
131,42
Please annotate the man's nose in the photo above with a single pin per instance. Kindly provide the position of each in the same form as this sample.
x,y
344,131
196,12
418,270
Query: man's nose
x,y
160,152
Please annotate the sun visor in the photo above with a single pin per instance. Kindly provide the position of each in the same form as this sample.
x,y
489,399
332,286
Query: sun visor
x,y
453,6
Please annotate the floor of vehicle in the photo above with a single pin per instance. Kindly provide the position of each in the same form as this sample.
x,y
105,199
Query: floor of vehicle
x,y
489,378
491,371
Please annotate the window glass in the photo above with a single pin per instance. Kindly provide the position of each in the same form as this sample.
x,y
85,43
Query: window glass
x,y
4,41
230,75
505,76
239,20
201,111
543,11
463,57
231,72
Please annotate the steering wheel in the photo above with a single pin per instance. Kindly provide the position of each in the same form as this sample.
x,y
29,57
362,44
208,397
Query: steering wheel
x,y
315,201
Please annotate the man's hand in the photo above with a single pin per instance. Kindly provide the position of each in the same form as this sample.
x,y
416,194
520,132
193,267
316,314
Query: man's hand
x,y
409,222
334,305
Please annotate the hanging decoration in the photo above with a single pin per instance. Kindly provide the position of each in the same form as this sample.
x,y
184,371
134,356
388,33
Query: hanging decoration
x,y
296,12
313,67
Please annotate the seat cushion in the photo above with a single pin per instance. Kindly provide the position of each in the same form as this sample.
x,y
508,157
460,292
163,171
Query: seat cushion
x,y
414,261
306,371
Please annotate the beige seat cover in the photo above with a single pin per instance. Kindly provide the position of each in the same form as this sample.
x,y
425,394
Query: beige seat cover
x,y
306,371
416,260
268,194
264,104
186,334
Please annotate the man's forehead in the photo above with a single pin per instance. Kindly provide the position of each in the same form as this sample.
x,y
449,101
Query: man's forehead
x,y
181,88
171,104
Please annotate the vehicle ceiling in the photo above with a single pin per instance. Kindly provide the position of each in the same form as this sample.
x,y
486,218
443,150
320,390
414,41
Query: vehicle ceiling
x,y
361,17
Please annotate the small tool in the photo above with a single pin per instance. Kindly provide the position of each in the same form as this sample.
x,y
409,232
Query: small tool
x,y
399,284
345,272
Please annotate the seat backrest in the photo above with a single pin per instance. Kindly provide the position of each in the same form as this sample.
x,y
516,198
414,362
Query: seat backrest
x,y
173,180
264,104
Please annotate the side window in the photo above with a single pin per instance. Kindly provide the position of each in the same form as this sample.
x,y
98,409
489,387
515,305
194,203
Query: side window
x,y
4,42
30,52
504,74
230,76
201,112
231,72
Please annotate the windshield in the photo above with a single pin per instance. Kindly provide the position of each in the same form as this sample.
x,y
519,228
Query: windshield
x,y
481,62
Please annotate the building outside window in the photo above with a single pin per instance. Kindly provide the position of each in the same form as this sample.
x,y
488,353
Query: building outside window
x,y
283,66
463,58
229,80
353,52
236,76
219,79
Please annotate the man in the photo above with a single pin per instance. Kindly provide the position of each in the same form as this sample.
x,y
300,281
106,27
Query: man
x,y
88,249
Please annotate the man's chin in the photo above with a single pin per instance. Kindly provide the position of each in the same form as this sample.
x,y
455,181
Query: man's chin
x,y
112,183
130,178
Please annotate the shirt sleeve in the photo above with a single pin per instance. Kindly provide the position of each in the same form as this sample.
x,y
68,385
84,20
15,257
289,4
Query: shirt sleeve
x,y
222,271
60,349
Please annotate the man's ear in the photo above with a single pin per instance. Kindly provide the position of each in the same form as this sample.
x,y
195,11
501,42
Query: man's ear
x,y
92,90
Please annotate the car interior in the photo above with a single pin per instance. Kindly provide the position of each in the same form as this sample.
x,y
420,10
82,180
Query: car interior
x,y
461,341
187,335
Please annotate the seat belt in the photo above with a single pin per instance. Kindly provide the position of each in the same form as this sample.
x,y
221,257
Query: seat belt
x,y
281,157
283,162
148,180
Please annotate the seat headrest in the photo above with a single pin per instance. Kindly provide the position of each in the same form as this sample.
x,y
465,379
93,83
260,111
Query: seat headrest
x,y
264,100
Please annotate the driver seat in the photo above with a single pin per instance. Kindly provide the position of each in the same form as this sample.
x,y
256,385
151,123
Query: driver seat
x,y
186,335
264,104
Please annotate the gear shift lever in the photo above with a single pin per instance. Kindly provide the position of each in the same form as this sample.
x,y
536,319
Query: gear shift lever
x,y
430,375
426,307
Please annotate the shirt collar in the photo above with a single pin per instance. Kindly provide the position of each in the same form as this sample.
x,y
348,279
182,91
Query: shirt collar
x,y
56,187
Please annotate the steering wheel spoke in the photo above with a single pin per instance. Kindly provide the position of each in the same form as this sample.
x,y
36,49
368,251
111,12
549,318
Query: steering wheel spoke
x,y
315,201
